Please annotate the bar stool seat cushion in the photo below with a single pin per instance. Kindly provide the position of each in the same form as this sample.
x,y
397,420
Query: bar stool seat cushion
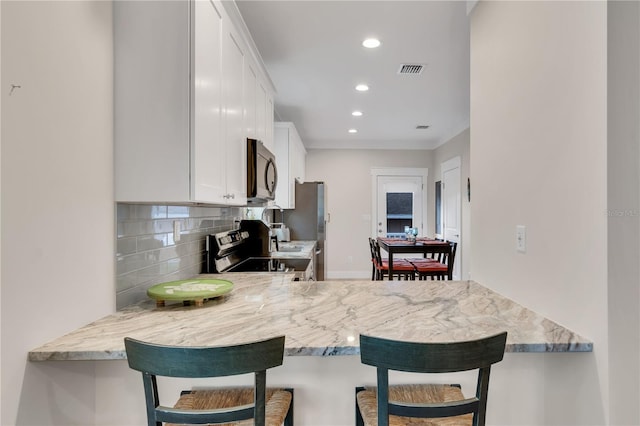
x,y
420,393
277,402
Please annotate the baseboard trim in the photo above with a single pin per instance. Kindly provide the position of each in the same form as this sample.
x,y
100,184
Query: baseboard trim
x,y
348,275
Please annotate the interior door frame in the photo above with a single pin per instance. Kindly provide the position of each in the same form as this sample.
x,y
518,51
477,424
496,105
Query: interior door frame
x,y
398,172
452,164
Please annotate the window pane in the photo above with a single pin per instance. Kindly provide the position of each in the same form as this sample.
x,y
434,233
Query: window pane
x,y
399,213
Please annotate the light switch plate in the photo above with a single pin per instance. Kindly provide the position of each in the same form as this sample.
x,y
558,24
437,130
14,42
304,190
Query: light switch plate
x,y
521,238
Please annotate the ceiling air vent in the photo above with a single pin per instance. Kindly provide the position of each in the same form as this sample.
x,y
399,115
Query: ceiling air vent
x,y
411,69
422,127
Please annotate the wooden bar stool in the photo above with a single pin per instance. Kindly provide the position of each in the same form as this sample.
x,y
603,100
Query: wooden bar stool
x,y
426,404
244,405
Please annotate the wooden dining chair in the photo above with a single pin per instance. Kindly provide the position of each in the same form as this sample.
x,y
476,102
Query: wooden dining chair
x,y
438,264
426,404
372,250
245,405
401,267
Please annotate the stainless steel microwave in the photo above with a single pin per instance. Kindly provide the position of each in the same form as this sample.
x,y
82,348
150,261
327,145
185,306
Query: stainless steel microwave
x,y
262,173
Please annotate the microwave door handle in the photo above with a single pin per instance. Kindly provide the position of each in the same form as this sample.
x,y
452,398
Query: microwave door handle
x,y
271,164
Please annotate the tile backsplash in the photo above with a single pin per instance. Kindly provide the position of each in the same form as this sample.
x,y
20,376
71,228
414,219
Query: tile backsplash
x,y
147,252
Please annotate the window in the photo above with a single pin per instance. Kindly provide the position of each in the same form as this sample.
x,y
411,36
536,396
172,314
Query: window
x,y
439,208
399,213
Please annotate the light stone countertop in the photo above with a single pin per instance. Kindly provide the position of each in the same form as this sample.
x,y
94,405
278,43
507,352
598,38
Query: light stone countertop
x,y
320,318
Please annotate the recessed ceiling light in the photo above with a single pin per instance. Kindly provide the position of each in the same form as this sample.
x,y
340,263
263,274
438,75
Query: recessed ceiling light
x,y
371,43
353,131
357,113
362,87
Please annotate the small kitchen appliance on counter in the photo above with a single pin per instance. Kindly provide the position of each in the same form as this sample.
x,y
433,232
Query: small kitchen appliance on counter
x,y
249,249
281,231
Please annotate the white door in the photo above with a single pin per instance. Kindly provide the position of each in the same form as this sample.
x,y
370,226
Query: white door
x,y
451,205
399,204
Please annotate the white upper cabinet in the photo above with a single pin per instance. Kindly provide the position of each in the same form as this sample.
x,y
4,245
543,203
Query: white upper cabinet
x,y
258,107
268,139
233,60
290,160
250,83
185,102
208,147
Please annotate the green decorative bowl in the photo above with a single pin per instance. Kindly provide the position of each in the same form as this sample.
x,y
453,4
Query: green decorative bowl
x,y
196,290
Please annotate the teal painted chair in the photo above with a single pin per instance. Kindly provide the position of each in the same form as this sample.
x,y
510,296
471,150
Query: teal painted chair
x,y
244,405
426,404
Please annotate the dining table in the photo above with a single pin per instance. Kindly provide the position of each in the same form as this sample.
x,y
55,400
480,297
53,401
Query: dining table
x,y
421,245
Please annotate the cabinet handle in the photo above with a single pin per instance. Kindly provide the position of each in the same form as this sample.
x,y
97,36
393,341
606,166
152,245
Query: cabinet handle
x,y
232,196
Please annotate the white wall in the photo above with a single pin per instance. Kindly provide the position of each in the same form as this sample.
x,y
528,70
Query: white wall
x,y
623,191
538,158
57,200
347,174
458,146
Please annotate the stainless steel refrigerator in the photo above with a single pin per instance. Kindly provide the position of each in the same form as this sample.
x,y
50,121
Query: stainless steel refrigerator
x,y
308,220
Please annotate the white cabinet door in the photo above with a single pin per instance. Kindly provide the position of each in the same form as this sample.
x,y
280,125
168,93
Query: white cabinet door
x,y
250,82
281,151
235,140
290,159
208,166
268,139
151,101
261,113
298,157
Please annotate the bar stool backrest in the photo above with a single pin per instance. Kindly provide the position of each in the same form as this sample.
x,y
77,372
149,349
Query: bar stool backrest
x,y
385,355
196,362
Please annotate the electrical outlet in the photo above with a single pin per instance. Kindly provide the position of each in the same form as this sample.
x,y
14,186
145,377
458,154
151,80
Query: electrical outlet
x,y
521,238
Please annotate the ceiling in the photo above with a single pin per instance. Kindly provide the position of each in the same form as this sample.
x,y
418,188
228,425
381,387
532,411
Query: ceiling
x,y
314,55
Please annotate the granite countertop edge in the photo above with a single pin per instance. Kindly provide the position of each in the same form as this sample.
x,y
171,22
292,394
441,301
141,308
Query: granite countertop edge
x,y
320,319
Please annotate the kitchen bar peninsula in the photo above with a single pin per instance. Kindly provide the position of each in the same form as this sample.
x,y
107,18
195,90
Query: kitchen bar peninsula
x,y
320,319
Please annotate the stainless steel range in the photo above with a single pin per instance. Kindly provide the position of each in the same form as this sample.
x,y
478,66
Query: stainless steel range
x,y
250,249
